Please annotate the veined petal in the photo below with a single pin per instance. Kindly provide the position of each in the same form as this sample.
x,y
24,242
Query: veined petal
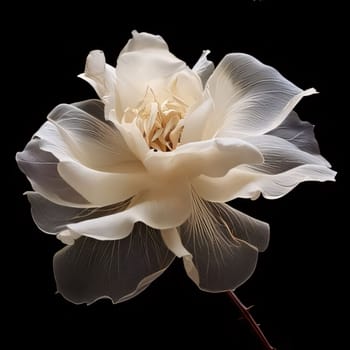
x,y
40,167
298,132
281,155
224,245
291,155
211,157
204,68
90,269
53,218
101,188
250,97
239,183
92,142
160,208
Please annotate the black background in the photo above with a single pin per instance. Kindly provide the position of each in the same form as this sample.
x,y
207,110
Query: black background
x,y
297,286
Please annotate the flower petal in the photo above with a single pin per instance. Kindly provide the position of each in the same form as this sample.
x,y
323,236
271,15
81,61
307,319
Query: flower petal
x,y
224,245
40,167
145,63
239,183
101,77
213,157
197,118
250,97
280,155
286,164
119,270
101,188
53,218
298,132
204,68
160,208
92,142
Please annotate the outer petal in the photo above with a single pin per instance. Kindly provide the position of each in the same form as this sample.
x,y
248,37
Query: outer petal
x,y
281,155
119,270
53,218
89,140
41,169
204,68
102,188
250,97
160,208
287,162
212,157
298,132
239,183
144,63
224,245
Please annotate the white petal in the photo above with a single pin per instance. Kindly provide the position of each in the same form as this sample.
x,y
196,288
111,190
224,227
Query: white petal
x,y
280,155
186,86
172,240
92,142
68,237
196,120
146,63
224,245
41,169
101,188
160,208
90,270
144,41
212,157
53,218
204,68
240,183
250,97
101,77
285,165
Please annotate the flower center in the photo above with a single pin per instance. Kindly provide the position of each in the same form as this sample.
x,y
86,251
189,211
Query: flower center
x,y
161,124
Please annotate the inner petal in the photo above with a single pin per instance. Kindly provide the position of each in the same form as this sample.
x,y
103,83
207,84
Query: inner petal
x,y
160,121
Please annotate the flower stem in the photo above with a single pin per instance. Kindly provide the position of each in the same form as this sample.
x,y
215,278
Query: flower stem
x,y
249,318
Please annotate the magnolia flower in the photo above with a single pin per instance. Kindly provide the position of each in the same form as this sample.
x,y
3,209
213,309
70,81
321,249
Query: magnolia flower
x,y
142,175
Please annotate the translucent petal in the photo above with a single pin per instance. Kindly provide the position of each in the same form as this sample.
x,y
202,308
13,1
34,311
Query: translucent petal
x,y
287,162
246,183
250,97
212,157
160,207
298,132
40,167
204,68
53,218
224,245
280,155
92,142
119,270
93,107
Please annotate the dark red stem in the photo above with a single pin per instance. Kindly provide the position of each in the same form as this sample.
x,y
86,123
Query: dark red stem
x,y
249,318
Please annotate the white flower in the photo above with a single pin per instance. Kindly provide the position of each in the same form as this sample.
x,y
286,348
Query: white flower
x,y
130,181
